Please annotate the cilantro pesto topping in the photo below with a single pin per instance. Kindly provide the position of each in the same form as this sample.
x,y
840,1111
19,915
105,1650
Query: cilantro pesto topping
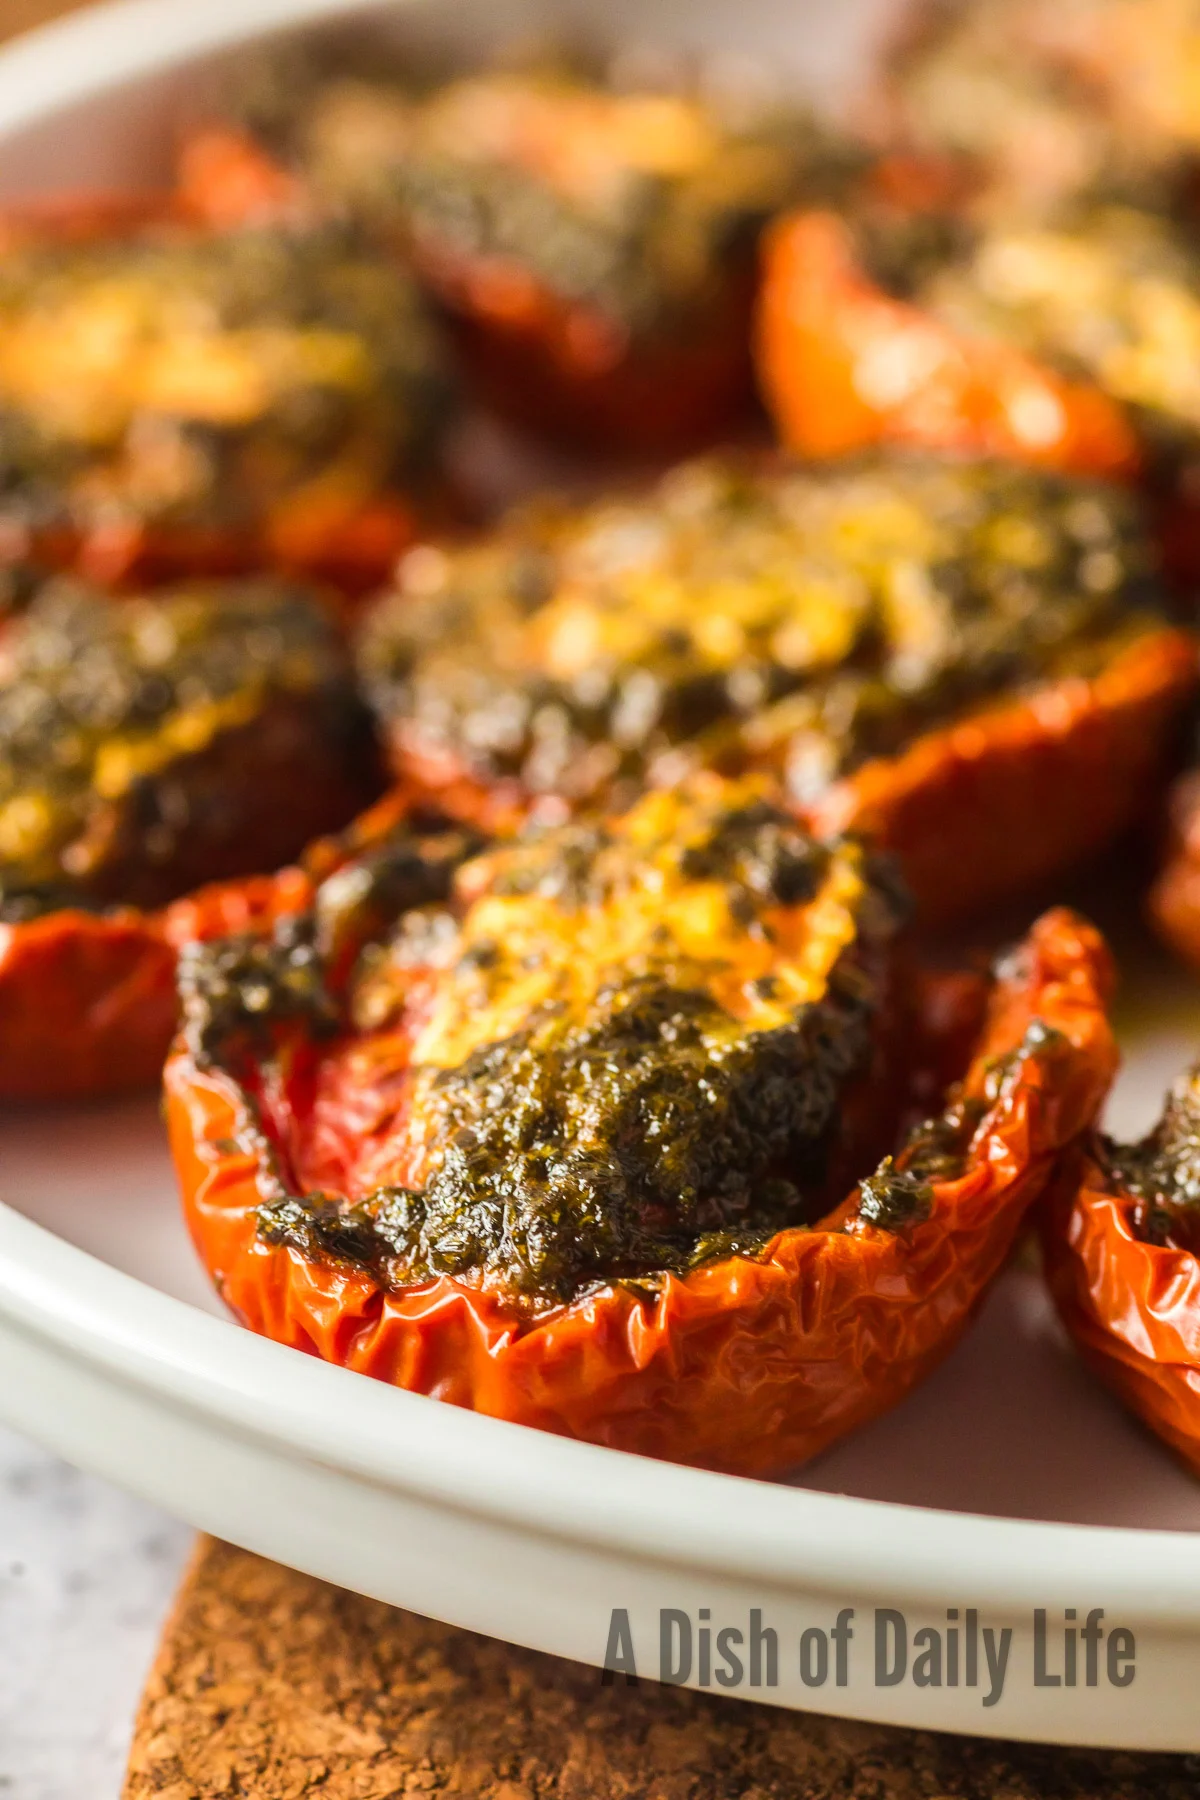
x,y
237,991
138,737
899,1194
200,380
742,616
627,1049
1162,1171
241,988
894,1199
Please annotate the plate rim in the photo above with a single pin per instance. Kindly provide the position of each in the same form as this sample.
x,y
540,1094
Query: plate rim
x,y
797,1537
88,54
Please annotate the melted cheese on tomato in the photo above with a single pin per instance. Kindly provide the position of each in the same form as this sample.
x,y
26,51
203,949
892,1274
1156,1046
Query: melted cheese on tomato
x,y
638,915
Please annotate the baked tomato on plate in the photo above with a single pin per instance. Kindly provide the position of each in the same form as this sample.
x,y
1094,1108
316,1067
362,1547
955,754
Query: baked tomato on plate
x,y
1122,1249
591,249
609,1129
1043,102
1175,895
1029,286
178,401
1070,342
887,330
968,660
153,754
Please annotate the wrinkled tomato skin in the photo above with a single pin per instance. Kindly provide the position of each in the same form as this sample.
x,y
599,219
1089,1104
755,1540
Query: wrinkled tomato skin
x,y
844,367
1131,1307
555,370
979,809
744,1365
987,807
87,1001
353,550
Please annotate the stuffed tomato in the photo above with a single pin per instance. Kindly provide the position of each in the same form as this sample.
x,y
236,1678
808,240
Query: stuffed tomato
x,y
1122,1249
969,661
1066,340
591,249
1175,896
179,401
1067,343
608,1129
942,335
1038,103
159,759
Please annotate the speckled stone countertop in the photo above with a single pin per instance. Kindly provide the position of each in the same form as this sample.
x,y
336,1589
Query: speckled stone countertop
x,y
86,1576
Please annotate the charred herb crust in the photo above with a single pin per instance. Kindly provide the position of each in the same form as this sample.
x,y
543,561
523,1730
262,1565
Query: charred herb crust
x,y
238,992
638,1131
1162,1171
238,370
607,1150
899,1194
110,712
635,206
744,616
894,1199
897,1197
1100,290
511,1206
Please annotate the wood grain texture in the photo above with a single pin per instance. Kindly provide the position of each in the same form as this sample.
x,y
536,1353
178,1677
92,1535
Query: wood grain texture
x,y
271,1685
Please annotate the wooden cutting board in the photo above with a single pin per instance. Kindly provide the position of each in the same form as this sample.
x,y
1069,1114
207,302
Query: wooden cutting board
x,y
273,1686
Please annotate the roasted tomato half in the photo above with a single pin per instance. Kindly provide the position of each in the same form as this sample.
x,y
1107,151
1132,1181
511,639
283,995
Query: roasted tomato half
x,y
1122,1249
175,401
198,736
1030,341
592,250
1070,343
1174,902
606,1131
1047,101
962,658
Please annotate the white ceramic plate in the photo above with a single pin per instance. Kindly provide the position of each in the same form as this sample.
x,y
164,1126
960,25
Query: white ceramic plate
x,y
1008,1484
